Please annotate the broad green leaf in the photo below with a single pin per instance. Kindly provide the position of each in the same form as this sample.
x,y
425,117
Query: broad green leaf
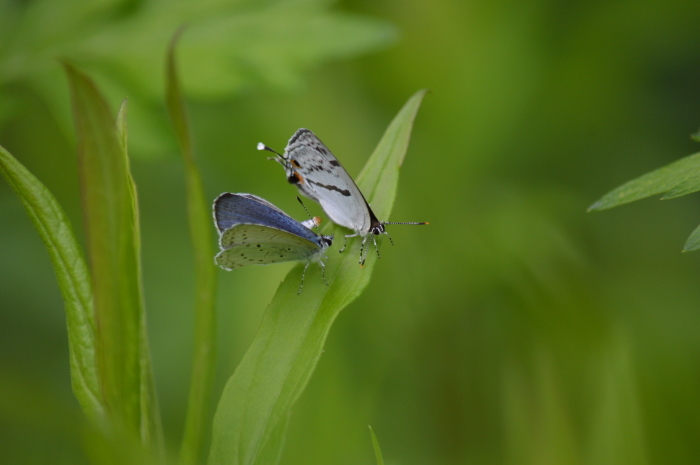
x,y
112,234
284,352
199,219
73,279
678,178
377,449
685,187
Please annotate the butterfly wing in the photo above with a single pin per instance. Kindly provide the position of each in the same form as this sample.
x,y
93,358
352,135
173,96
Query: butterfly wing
x,y
319,175
231,209
255,244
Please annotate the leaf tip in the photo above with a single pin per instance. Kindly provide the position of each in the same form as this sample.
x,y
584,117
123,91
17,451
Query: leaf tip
x,y
597,206
690,247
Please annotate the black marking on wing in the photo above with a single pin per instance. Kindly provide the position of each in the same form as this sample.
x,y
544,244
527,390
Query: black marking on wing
x,y
343,192
334,162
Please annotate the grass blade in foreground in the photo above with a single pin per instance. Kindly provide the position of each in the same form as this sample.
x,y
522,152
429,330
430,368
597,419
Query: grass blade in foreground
x,y
73,279
284,353
110,216
678,178
199,219
151,431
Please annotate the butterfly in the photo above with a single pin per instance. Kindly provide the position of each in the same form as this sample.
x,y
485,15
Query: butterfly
x,y
252,231
318,174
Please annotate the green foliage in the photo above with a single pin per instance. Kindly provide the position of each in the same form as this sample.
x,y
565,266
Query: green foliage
x,y
229,45
199,219
113,243
274,371
112,371
676,179
73,279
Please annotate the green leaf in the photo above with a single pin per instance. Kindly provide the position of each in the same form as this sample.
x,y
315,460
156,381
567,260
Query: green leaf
x,y
377,449
201,232
151,430
685,187
678,178
112,233
286,349
229,46
73,279
693,242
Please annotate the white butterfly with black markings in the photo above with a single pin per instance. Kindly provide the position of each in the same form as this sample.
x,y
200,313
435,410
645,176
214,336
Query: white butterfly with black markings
x,y
318,174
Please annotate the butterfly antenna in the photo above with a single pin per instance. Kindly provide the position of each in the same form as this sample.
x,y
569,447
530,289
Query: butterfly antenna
x,y
315,220
262,146
383,222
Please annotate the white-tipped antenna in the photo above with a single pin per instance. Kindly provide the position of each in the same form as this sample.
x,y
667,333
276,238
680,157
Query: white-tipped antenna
x,y
386,222
262,146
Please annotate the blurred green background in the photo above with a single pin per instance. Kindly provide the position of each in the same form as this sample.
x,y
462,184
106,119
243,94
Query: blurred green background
x,y
515,329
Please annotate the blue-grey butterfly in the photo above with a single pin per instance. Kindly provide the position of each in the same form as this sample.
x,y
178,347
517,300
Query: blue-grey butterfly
x,y
318,174
252,231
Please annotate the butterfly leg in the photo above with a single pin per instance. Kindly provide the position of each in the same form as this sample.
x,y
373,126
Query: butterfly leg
x,y
323,273
303,273
345,244
363,250
374,239
390,239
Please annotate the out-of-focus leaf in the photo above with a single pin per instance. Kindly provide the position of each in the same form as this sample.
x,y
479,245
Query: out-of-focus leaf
x,y
377,449
73,279
229,45
678,178
199,219
693,242
685,187
284,352
112,234
151,430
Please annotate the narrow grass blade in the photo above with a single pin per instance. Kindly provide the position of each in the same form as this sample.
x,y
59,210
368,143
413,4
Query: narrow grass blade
x,y
678,178
377,449
73,279
112,232
199,218
286,349
151,428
